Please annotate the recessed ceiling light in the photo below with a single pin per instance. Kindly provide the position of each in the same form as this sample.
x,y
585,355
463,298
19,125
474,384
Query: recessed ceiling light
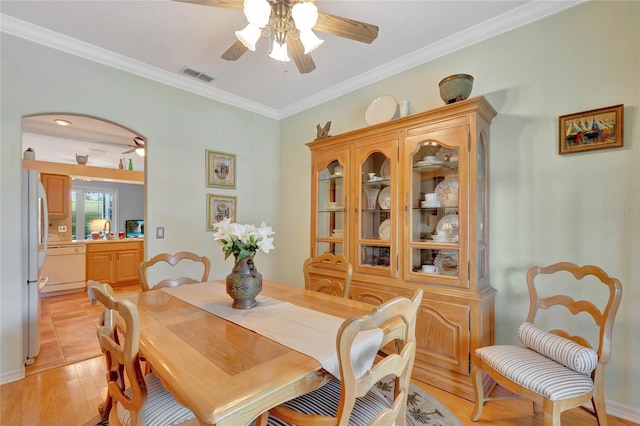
x,y
62,122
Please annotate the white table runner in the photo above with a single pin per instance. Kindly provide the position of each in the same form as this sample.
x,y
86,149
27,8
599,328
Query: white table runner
x,y
304,330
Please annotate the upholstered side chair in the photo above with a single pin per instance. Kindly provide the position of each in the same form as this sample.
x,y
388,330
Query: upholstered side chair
x,y
555,368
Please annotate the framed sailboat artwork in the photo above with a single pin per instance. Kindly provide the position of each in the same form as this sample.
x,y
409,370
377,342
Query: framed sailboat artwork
x,y
591,130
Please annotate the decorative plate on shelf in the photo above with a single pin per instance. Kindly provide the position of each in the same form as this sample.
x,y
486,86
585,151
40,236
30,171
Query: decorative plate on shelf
x,y
448,186
451,219
385,169
384,231
384,198
381,109
447,262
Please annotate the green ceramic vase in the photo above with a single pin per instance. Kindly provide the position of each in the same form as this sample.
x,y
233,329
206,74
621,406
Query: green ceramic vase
x,y
244,283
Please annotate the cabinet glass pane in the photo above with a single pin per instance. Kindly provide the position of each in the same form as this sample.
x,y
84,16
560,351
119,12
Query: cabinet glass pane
x,y
435,262
434,193
375,204
333,248
331,201
375,256
481,205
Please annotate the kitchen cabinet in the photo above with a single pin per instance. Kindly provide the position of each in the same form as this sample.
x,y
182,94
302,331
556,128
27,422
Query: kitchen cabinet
x,y
406,201
58,190
115,263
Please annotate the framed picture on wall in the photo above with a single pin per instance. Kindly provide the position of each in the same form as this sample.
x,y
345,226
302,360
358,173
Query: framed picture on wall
x,y
590,130
220,207
221,169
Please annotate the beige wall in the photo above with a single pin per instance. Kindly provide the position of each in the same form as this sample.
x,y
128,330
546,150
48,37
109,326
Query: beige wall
x,y
545,208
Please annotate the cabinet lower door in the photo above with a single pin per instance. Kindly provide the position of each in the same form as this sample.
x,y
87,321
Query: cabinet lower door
x,y
127,265
100,267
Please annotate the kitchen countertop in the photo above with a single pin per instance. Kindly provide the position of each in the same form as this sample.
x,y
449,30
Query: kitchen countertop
x,y
116,240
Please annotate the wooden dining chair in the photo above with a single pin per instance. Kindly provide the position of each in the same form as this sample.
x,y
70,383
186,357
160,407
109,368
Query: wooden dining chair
x,y
337,267
355,400
173,260
133,399
556,369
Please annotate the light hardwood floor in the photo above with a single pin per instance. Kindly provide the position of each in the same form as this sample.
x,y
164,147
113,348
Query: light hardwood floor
x,y
70,393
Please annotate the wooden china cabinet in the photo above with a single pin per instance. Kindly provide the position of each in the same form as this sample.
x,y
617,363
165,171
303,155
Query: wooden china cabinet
x,y
369,202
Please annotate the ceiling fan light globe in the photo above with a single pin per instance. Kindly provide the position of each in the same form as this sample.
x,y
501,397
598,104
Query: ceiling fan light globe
x,y
305,15
140,152
257,12
249,36
279,52
310,41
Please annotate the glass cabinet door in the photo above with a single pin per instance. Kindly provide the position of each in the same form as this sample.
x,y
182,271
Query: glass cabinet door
x,y
375,251
330,218
435,208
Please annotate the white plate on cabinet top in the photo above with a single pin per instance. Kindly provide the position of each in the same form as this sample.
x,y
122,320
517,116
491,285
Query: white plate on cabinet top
x,y
384,231
381,109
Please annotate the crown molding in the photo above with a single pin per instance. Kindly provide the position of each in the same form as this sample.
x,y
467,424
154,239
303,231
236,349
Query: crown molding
x,y
36,34
508,21
495,26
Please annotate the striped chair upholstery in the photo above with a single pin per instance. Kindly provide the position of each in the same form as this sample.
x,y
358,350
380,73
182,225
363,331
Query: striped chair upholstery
x,y
160,408
562,350
326,399
556,369
536,372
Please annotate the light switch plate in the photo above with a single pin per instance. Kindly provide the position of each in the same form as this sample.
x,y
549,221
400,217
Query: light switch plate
x,y
160,232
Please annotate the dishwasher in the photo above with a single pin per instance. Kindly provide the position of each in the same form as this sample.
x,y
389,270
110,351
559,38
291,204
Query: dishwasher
x,y
65,267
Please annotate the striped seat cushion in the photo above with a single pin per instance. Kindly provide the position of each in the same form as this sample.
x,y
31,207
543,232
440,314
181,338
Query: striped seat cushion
x,y
536,372
560,349
160,408
325,400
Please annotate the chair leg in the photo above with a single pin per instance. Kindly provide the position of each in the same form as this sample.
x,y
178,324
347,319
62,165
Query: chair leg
x,y
476,378
552,419
599,407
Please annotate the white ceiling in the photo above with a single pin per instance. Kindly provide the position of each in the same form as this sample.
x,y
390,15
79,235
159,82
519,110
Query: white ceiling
x,y
157,38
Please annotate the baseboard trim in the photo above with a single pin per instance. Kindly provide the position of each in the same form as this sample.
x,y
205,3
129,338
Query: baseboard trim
x,y
622,411
12,376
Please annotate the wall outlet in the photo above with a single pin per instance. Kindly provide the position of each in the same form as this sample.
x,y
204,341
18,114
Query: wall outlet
x,y
62,228
160,232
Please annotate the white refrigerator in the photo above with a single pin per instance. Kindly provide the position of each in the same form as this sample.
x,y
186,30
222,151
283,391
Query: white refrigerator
x,y
34,249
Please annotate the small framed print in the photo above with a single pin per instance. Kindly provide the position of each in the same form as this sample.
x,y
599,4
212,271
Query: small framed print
x,y
221,169
220,207
590,130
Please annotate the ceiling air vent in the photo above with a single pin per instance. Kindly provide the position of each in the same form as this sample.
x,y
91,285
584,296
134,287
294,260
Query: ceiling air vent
x,y
196,74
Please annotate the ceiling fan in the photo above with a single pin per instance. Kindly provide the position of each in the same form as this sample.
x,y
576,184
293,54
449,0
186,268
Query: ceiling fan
x,y
291,22
138,148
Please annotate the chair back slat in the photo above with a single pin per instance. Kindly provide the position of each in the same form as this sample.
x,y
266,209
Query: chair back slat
x,y
172,260
337,272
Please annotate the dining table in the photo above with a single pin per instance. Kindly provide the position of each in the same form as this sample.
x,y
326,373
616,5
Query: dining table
x,y
226,373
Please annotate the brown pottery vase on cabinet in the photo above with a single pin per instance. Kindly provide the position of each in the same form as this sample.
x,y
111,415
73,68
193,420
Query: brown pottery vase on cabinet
x,y
57,188
406,201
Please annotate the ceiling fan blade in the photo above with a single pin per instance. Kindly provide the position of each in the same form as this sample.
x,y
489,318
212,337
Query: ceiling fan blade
x,y
130,151
303,62
348,28
235,51
229,4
